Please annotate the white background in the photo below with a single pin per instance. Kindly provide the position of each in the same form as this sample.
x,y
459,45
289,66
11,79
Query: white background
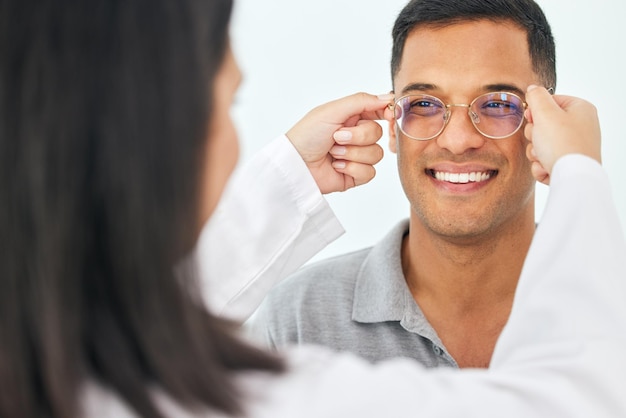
x,y
298,54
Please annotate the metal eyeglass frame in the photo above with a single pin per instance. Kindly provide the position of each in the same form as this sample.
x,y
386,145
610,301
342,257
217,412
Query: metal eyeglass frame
x,y
472,115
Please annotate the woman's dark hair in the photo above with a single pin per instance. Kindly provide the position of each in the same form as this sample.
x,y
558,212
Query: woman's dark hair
x,y
525,13
104,113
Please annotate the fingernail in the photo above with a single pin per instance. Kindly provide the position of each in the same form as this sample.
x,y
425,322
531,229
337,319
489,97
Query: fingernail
x,y
386,97
342,136
338,150
339,164
531,87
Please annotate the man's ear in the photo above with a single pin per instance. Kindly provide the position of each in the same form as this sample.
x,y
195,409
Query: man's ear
x,y
393,138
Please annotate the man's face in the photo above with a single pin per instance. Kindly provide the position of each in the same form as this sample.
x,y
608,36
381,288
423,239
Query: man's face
x,y
457,63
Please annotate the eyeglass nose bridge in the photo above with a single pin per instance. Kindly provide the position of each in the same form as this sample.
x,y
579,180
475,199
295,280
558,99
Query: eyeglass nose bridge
x,y
472,115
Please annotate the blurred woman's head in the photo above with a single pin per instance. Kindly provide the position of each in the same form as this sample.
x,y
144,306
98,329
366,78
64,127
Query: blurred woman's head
x,y
106,107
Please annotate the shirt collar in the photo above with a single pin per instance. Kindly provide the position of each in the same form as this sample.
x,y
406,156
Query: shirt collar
x,y
380,293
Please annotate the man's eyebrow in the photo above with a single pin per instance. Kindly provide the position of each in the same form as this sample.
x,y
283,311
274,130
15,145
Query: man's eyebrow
x,y
418,87
487,88
504,87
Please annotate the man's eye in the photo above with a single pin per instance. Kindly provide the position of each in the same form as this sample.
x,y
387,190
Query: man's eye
x,y
501,107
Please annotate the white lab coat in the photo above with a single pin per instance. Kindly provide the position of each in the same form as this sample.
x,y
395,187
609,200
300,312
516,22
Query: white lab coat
x,y
271,220
560,355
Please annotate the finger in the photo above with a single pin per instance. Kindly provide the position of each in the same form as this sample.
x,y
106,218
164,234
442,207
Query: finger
x,y
528,131
544,107
367,154
530,153
541,103
359,173
359,105
528,115
365,132
537,170
389,113
540,173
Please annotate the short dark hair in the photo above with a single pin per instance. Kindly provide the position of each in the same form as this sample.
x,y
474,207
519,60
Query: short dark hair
x,y
104,113
525,13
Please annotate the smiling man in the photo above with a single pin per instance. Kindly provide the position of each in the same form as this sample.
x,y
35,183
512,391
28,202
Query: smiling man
x,y
439,287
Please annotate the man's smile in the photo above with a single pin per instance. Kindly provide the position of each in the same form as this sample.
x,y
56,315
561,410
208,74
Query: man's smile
x,y
463,177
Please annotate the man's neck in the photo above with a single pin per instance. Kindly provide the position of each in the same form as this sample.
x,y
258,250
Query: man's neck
x,y
465,271
465,287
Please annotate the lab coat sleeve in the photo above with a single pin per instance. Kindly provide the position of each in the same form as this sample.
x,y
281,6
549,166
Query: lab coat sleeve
x,y
271,220
571,299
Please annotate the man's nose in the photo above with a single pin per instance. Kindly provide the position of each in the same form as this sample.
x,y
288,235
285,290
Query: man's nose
x,y
459,134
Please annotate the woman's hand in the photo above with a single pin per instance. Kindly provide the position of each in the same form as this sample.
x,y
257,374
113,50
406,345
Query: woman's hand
x,y
559,125
337,140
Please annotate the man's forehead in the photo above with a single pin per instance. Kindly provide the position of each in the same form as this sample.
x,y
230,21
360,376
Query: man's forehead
x,y
479,50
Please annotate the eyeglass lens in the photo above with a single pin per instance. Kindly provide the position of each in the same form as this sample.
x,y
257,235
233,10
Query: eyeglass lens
x,y
495,115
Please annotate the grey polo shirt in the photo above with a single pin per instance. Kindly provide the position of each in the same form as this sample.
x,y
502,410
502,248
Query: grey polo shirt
x,y
357,302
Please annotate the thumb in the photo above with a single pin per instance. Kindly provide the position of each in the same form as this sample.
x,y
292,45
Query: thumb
x,y
313,137
542,112
356,107
541,104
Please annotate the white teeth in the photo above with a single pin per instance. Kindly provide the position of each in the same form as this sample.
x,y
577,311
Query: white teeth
x,y
462,177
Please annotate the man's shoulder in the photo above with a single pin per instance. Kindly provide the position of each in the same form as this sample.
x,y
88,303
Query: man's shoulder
x,y
327,279
311,304
330,275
